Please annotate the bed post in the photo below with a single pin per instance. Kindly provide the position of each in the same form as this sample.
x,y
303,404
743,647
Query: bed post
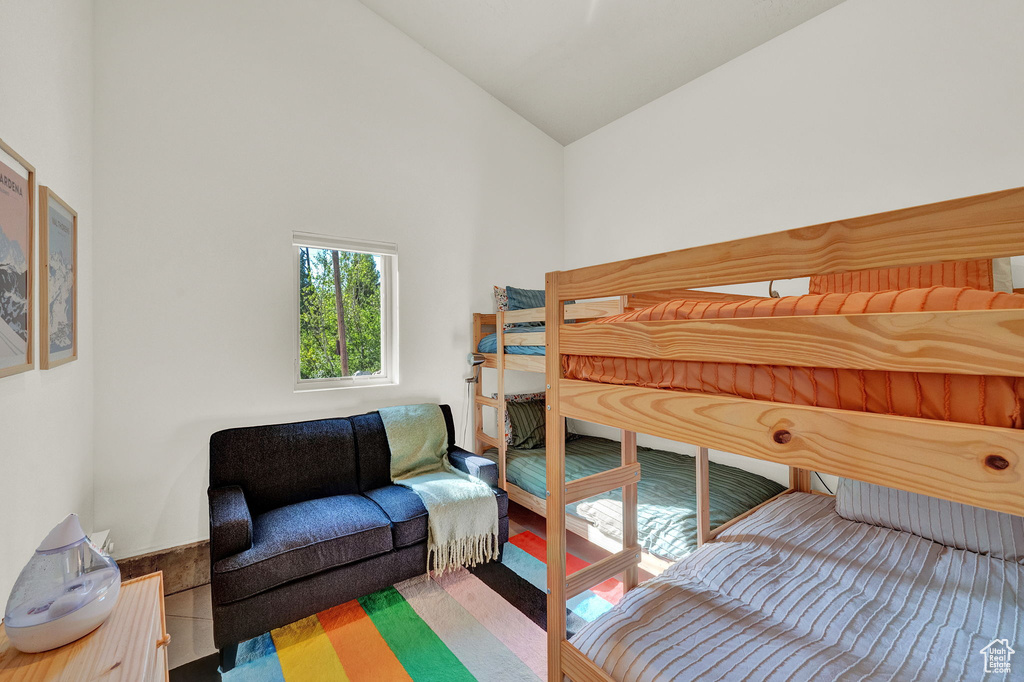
x,y
555,480
478,388
703,497
499,331
631,576
800,480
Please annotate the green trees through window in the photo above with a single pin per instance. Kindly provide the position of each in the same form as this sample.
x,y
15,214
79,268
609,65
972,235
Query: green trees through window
x,y
339,314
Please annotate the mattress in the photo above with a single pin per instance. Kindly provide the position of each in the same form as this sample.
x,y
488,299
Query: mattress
x,y
489,344
993,400
975,274
667,509
796,592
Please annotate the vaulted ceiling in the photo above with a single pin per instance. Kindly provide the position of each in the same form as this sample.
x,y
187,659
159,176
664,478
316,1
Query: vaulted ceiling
x,y
573,66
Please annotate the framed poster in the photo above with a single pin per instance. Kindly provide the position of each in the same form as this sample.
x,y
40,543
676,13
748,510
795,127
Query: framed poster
x,y
58,280
17,223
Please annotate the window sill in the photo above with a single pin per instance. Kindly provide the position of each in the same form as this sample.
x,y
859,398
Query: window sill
x,y
308,385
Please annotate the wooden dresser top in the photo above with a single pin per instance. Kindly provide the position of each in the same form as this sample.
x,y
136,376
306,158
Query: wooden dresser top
x,y
123,648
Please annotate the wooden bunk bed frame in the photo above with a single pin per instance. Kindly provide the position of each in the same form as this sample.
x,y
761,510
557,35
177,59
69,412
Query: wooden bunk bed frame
x,y
488,323
976,465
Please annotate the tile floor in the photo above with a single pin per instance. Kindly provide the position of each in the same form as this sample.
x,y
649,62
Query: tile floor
x,y
190,624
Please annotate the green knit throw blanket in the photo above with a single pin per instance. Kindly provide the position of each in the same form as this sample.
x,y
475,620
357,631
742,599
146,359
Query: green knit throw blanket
x,y
462,511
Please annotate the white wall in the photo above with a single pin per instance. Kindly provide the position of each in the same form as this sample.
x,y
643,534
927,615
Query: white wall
x,y
46,418
218,133
873,105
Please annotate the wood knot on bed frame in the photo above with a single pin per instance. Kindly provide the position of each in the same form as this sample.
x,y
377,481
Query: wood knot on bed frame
x,y
997,462
782,436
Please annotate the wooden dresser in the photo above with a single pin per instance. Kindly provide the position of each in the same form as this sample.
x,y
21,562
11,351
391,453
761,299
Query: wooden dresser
x,y
130,646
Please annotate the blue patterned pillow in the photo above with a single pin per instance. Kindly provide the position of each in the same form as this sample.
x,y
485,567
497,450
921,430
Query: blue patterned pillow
x,y
523,299
501,303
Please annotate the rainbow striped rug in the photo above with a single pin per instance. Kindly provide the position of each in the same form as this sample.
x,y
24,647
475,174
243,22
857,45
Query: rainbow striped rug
x,y
486,623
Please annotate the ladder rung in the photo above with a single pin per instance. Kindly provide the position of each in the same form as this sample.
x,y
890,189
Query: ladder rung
x,y
484,400
490,440
595,484
524,339
595,574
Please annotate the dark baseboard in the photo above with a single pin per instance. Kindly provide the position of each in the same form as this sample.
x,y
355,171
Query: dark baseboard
x,y
184,567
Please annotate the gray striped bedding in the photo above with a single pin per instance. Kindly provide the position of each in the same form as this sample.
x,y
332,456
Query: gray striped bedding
x,y
667,505
796,592
949,523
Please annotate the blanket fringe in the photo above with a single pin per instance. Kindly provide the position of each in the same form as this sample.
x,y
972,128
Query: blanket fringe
x,y
462,552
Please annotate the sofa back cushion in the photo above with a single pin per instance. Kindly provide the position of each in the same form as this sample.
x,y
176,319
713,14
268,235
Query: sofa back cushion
x,y
286,463
374,453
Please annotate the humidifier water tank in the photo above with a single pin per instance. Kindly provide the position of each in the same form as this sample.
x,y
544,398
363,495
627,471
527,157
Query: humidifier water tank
x,y
67,589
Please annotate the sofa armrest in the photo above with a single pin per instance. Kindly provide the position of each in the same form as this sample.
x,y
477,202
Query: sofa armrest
x,y
474,465
230,522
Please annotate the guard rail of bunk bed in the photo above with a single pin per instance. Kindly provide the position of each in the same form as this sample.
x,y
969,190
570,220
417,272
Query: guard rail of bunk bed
x,y
967,463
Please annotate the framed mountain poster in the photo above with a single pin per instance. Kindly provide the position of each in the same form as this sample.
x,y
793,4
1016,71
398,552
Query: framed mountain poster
x,y
58,280
17,222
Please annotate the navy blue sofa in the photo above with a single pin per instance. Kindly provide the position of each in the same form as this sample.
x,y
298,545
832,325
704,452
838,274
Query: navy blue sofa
x,y
304,517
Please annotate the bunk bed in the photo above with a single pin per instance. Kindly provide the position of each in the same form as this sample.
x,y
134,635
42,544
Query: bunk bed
x,y
667,528
516,349
506,347
805,586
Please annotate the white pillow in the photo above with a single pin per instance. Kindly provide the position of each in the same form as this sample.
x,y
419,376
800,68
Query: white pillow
x,y
1002,275
949,523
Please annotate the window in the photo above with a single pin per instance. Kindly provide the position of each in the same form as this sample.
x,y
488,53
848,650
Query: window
x,y
347,312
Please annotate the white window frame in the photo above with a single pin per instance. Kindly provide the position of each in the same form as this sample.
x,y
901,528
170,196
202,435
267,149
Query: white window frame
x,y
388,313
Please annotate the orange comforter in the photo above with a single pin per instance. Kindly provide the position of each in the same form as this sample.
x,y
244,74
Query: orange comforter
x,y
976,274
995,401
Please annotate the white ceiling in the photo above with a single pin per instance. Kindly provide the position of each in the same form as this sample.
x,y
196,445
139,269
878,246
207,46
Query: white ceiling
x,y
573,66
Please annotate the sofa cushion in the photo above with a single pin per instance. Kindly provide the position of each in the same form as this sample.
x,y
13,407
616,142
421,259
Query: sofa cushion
x,y
406,511
301,539
283,464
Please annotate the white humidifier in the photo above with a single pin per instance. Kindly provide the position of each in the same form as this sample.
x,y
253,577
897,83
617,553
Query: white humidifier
x,y
67,589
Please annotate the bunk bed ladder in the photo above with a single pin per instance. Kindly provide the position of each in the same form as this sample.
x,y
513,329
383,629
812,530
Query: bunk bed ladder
x,y
478,395
563,657
631,576
481,440
501,406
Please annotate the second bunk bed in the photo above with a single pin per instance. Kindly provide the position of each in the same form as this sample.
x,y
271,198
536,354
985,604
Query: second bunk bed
x,y
514,340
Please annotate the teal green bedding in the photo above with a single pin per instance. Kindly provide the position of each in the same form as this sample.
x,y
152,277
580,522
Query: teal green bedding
x,y
667,512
